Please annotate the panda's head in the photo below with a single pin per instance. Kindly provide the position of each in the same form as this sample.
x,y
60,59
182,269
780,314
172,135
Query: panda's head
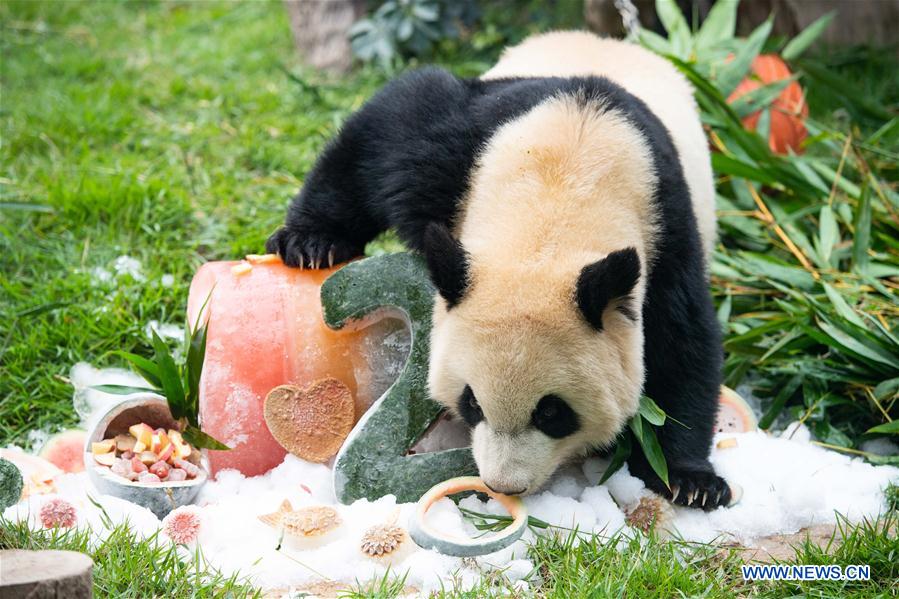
x,y
537,339
541,372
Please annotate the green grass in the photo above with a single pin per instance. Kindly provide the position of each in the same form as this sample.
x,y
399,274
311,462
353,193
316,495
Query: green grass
x,y
128,566
174,133
177,132
567,565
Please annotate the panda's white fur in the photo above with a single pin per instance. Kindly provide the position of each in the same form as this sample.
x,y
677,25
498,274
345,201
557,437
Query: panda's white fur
x,y
543,187
644,74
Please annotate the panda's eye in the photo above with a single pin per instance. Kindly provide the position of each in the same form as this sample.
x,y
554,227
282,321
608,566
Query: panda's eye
x,y
468,407
554,417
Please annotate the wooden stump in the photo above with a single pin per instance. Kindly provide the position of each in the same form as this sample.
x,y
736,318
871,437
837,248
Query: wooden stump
x,y
45,575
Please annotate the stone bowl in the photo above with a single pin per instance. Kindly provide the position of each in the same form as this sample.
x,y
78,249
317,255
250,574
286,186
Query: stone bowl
x,y
159,498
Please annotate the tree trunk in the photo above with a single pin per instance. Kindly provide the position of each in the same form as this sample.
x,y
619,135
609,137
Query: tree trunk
x,y
872,22
320,30
45,575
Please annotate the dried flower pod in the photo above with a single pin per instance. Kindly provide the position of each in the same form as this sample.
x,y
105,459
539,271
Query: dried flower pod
x,y
182,525
58,513
386,542
651,510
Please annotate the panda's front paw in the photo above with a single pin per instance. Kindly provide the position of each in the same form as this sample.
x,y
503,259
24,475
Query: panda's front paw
x,y
310,250
702,489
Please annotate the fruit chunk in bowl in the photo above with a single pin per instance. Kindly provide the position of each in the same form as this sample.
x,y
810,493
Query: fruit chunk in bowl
x,y
136,452
148,455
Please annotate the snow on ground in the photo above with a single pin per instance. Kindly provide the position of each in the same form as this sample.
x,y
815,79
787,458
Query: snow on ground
x,y
788,484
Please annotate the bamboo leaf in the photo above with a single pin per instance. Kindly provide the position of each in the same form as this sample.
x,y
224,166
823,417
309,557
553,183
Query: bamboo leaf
x,y
778,270
647,439
807,37
622,452
193,369
124,389
198,438
841,86
724,311
675,24
887,389
654,41
760,97
780,401
650,411
170,377
719,24
728,165
842,307
828,233
845,342
143,366
889,428
734,71
862,238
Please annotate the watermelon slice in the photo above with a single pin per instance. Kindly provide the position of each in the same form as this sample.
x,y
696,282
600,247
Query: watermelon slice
x,y
734,414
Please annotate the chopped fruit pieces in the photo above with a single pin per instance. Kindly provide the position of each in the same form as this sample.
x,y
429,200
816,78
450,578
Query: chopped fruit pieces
x,y
143,434
148,477
125,443
148,455
103,446
106,459
160,469
263,258
160,441
166,453
192,471
241,269
727,443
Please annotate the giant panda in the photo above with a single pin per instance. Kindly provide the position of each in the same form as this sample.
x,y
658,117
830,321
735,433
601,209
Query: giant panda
x,y
564,205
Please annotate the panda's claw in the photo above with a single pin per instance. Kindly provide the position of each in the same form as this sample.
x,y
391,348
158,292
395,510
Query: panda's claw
x,y
300,249
695,487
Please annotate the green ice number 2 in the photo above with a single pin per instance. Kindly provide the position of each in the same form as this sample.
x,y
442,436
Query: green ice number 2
x,y
374,460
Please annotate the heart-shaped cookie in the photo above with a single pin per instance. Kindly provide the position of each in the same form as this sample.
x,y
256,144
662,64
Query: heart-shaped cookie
x,y
312,422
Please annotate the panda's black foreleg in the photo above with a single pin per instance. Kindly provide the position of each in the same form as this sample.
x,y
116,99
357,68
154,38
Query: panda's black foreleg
x,y
683,357
310,241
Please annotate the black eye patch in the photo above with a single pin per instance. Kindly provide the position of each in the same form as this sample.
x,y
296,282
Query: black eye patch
x,y
469,408
555,418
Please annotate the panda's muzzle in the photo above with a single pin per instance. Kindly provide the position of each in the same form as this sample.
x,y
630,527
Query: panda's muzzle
x,y
504,491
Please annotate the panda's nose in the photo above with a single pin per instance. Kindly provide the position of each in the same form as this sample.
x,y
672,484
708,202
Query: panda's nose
x,y
504,491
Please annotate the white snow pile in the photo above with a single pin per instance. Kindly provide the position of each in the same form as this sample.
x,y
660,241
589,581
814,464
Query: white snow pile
x,y
788,484
122,266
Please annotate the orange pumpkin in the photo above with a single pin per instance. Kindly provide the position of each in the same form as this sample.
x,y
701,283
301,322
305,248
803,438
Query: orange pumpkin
x,y
788,111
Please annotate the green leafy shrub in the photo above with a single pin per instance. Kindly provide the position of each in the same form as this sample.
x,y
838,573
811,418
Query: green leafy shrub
x,y
404,28
806,274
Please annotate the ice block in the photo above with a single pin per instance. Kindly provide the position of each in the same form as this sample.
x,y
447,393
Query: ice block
x,y
265,330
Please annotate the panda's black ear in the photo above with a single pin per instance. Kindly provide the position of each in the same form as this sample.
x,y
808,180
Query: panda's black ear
x,y
447,261
608,281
